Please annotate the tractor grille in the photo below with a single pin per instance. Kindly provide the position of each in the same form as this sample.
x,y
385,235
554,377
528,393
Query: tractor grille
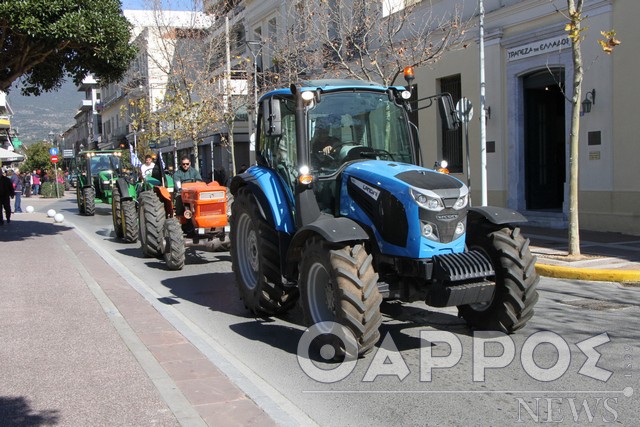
x,y
213,209
462,266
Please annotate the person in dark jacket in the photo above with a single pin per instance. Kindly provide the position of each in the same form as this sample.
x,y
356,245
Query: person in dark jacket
x,y
186,173
6,194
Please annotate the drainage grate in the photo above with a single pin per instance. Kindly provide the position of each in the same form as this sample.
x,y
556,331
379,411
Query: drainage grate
x,y
594,304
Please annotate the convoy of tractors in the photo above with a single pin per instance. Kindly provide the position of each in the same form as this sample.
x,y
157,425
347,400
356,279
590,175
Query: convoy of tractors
x,y
336,214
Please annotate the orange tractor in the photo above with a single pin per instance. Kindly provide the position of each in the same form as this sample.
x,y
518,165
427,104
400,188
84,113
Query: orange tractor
x,y
172,219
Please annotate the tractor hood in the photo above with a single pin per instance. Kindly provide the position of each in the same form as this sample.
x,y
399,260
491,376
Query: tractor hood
x,y
393,176
396,200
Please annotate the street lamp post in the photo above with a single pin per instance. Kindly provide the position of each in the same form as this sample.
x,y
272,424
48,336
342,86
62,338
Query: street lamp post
x,y
255,54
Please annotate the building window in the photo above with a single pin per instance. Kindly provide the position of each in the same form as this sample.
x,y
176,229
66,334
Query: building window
x,y
452,139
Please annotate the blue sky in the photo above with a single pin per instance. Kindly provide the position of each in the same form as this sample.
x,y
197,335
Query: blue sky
x,y
166,4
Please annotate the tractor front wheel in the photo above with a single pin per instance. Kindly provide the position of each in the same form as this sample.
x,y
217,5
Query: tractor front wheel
x,y
152,216
255,259
173,244
89,198
129,220
115,214
80,200
339,284
515,278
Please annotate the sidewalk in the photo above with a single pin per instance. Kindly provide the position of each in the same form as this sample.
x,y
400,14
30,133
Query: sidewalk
x,y
81,347
609,257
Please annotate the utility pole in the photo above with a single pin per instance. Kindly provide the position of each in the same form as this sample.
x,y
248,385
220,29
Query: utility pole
x,y
483,121
228,112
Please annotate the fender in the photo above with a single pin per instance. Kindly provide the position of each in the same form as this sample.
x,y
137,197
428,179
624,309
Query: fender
x,y
331,229
165,198
496,215
274,202
123,188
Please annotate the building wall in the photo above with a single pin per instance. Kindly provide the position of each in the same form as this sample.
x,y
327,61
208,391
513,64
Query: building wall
x,y
609,184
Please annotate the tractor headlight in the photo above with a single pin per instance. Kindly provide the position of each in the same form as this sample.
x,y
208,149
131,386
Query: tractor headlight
x,y
427,202
428,230
459,228
461,202
106,182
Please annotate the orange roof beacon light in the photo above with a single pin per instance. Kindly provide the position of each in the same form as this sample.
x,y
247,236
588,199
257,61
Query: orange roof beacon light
x,y
409,74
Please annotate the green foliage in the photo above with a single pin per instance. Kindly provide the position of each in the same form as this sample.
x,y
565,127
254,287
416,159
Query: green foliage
x,y
42,41
37,157
48,189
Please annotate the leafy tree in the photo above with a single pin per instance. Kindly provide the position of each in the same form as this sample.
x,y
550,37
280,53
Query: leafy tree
x,y
37,157
43,41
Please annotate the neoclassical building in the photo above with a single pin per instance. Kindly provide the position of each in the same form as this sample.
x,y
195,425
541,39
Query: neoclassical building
x,y
528,75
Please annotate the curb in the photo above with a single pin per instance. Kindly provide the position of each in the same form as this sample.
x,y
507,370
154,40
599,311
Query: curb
x,y
592,274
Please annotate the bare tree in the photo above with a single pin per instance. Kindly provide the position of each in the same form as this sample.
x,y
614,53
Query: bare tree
x,y
361,39
575,32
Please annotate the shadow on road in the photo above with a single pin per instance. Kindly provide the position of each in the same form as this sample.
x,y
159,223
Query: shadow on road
x,y
22,230
16,411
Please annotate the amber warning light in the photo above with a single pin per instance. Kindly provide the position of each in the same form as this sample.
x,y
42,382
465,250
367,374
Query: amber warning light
x,y
409,74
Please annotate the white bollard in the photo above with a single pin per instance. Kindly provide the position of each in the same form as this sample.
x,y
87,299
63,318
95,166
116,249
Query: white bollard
x,y
51,213
58,217
30,209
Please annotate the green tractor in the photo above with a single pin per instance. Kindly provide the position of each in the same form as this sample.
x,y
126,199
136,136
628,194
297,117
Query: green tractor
x,y
97,173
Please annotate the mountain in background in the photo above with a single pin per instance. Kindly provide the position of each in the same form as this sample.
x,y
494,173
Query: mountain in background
x,y
35,116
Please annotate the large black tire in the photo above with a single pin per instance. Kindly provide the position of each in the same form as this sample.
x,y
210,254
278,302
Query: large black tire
x,y
339,284
516,280
129,220
80,200
173,244
116,215
255,259
89,198
152,216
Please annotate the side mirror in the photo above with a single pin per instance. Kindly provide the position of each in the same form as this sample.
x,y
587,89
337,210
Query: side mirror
x,y
448,112
271,117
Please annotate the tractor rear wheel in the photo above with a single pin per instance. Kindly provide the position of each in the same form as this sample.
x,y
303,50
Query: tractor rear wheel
x,y
256,260
129,220
115,214
152,216
339,284
173,244
89,198
515,277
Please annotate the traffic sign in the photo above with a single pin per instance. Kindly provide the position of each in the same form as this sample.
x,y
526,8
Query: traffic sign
x,y
53,151
54,159
464,110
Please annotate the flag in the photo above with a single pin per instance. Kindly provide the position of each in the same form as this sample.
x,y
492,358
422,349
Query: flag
x,y
135,161
161,161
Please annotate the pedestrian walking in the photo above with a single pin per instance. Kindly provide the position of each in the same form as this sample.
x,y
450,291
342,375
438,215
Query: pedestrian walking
x,y
6,194
35,181
17,187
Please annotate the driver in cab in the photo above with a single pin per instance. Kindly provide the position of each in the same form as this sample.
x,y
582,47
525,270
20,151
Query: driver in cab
x,y
185,172
322,143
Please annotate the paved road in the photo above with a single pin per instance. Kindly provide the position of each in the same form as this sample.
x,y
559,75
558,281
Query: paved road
x,y
392,386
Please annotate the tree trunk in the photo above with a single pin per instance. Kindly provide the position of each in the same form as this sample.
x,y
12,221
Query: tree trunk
x,y
575,12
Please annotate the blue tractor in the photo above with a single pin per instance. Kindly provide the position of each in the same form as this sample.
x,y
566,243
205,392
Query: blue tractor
x,y
338,213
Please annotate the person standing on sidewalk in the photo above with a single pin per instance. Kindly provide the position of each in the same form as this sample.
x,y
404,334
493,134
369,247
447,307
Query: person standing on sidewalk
x,y
35,179
6,194
17,187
